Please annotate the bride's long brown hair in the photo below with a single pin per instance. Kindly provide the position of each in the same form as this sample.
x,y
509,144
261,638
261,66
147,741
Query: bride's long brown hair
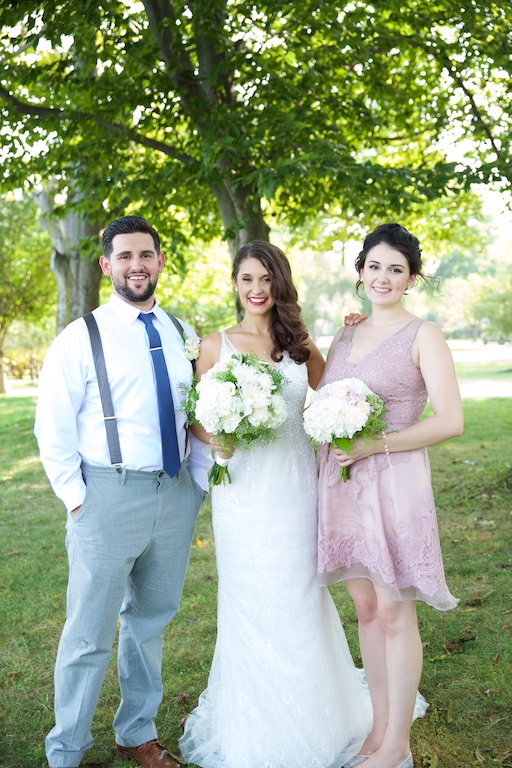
x,y
287,329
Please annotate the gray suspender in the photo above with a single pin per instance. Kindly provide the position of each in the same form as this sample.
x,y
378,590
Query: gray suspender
x,y
104,386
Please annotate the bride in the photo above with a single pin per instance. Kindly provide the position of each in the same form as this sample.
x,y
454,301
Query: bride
x,y
283,691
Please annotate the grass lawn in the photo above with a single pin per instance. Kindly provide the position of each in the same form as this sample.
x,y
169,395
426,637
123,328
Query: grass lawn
x,y
498,371
467,674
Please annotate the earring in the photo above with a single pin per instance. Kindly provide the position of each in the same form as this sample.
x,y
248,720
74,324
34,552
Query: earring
x,y
236,289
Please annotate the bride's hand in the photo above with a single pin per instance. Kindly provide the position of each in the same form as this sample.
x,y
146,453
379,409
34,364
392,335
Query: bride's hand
x,y
354,318
223,446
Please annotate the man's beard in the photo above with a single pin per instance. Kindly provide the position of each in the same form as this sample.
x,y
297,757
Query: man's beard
x,y
123,289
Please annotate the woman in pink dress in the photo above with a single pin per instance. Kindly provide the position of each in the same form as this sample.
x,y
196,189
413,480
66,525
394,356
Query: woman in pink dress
x,y
378,530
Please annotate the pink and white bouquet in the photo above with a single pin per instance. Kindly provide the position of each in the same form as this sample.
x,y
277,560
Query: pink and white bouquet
x,y
240,401
340,412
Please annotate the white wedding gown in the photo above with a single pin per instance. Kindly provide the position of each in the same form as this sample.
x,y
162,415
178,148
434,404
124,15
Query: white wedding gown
x,y
283,691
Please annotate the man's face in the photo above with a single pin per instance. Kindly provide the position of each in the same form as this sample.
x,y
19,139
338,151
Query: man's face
x,y
134,266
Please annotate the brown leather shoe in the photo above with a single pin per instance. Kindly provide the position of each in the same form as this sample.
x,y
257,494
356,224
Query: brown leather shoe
x,y
149,755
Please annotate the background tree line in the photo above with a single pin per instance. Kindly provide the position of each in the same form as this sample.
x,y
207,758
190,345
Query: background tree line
x,y
309,121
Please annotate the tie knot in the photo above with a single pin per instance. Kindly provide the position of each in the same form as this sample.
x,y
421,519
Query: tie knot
x,y
147,317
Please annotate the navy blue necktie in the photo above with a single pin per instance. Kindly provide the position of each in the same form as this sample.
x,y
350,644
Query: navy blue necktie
x,y
169,437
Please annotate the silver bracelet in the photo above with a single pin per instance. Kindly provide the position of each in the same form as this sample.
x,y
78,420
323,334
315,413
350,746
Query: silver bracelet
x,y
386,449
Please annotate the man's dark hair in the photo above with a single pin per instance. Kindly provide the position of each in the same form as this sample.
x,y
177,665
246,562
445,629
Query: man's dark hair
x,y
124,226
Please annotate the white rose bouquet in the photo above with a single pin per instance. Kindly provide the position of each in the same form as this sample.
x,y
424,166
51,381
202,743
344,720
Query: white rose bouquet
x,y
340,412
238,400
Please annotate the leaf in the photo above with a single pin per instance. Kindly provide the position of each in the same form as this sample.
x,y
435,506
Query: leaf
x,y
473,601
451,646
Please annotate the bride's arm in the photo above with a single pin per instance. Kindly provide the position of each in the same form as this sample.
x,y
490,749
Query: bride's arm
x,y
354,318
209,353
315,364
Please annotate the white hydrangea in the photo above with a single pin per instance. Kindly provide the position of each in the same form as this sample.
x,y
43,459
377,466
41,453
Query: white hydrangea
x,y
222,405
338,409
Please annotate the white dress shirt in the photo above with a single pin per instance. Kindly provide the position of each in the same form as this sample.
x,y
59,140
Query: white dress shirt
x,y
69,422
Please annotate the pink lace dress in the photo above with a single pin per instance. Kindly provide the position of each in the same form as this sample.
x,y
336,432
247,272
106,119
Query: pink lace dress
x,y
381,523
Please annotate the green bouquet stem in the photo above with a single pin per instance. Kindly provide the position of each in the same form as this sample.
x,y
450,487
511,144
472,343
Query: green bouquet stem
x,y
219,475
344,444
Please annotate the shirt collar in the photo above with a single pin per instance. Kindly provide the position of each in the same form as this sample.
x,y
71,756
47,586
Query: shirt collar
x,y
125,311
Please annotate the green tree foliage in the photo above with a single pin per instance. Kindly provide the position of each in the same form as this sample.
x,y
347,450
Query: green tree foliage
x,y
28,287
493,305
212,116
203,295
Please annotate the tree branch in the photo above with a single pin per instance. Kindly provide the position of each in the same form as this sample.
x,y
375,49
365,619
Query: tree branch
x,y
33,110
447,64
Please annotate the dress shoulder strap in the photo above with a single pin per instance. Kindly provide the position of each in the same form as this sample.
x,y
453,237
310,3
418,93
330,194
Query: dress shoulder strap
x,y
347,333
411,329
227,345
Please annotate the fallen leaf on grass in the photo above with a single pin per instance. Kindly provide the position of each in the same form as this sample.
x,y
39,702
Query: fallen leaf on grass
x,y
453,646
479,756
183,699
496,658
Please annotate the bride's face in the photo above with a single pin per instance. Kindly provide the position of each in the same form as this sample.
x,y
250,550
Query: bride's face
x,y
254,285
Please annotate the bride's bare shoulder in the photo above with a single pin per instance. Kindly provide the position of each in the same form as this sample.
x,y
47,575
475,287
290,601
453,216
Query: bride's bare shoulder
x,y
209,352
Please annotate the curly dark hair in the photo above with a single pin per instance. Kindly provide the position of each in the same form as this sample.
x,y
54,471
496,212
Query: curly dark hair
x,y
397,237
287,330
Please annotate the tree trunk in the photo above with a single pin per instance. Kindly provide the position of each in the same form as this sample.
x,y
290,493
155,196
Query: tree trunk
x,y
2,374
242,217
78,273
234,209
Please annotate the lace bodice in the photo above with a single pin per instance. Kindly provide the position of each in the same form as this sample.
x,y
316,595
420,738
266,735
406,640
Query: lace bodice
x,y
294,392
389,370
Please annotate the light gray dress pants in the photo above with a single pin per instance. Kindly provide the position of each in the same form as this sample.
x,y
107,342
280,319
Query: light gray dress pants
x,y
128,551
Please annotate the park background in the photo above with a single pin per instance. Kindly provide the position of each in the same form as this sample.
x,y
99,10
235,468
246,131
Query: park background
x,y
306,124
